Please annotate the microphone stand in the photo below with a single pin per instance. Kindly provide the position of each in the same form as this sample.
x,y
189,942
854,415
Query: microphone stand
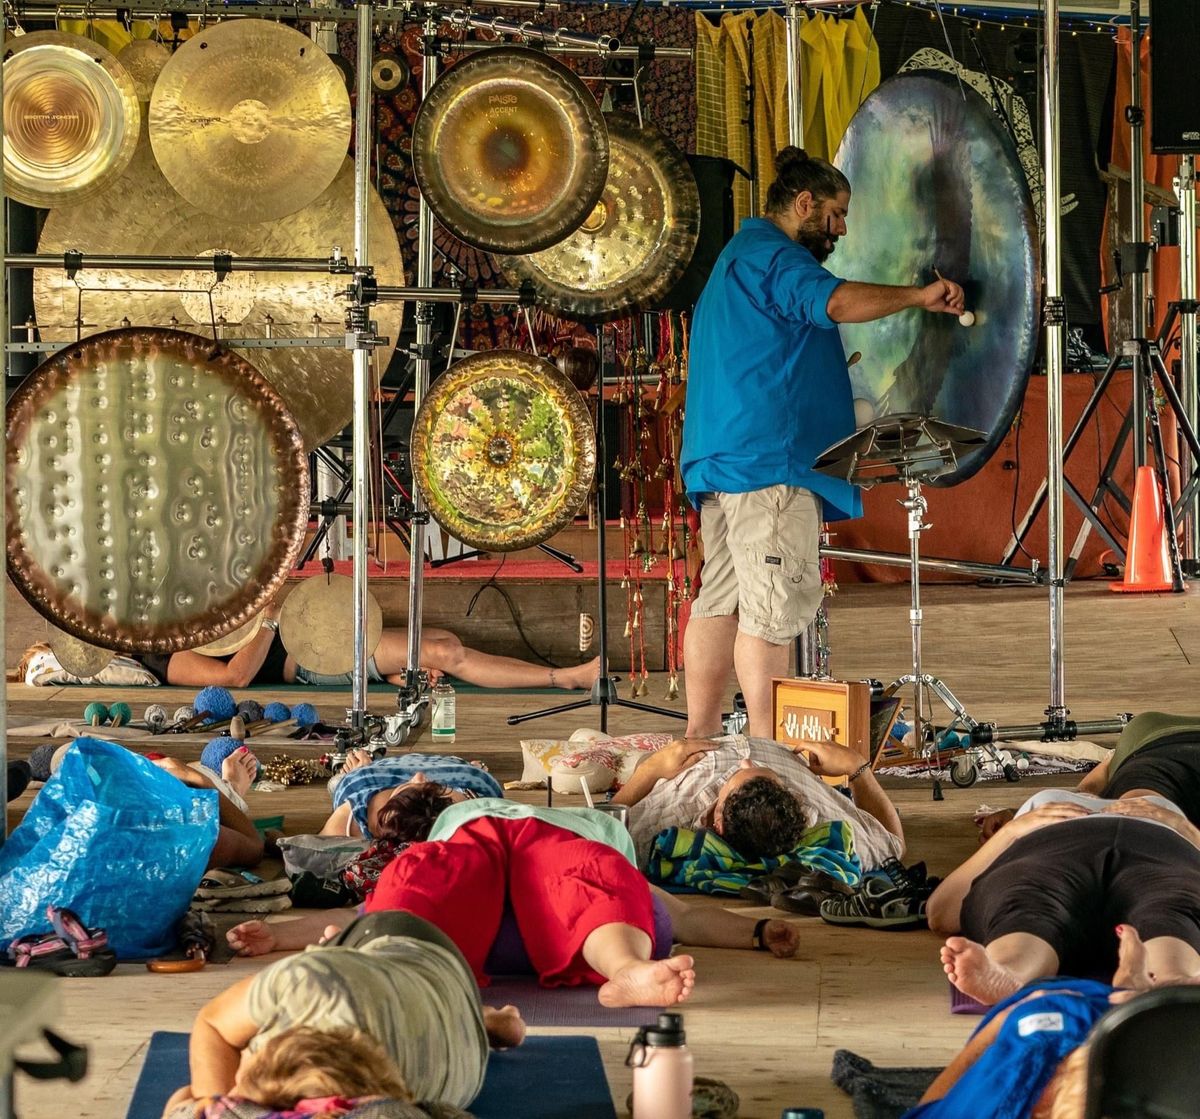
x,y
604,690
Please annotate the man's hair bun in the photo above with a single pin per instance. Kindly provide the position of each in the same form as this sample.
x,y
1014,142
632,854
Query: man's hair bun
x,y
788,156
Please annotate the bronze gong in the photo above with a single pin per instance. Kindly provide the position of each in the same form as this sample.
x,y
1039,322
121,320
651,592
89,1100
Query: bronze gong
x,y
143,215
71,118
157,490
316,624
144,59
637,241
250,120
510,150
503,450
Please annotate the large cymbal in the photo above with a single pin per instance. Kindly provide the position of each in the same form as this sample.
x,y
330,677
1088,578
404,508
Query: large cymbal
x,y
250,120
503,450
143,215
71,118
510,150
157,490
144,59
635,244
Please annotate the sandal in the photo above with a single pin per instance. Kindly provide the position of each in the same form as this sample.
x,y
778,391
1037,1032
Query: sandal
x,y
71,950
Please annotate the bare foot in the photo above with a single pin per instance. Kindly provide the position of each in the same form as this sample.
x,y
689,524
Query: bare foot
x,y
505,1027
581,676
781,938
240,769
650,983
185,773
356,759
975,973
1131,961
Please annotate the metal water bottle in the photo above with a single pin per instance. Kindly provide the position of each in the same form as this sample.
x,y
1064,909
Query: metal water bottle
x,y
443,712
662,1070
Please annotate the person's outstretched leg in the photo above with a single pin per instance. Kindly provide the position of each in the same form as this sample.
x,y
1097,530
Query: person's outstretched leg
x,y
621,953
457,884
710,927
756,663
991,974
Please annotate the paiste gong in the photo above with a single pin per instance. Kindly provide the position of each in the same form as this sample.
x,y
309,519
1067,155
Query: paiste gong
x,y
71,118
637,241
938,185
510,150
250,120
142,215
157,490
316,624
503,450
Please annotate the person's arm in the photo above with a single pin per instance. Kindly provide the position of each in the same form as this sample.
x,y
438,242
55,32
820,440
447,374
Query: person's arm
x,y
829,759
964,1059
257,938
196,670
944,908
1096,780
1147,810
853,302
340,822
662,765
222,1029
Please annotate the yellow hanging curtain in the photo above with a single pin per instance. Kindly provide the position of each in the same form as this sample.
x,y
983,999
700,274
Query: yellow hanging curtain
x,y
839,66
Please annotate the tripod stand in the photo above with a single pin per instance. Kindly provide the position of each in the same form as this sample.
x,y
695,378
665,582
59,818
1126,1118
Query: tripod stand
x,y
604,690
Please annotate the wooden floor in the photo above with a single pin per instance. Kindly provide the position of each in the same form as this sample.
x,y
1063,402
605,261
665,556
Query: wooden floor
x,y
768,1028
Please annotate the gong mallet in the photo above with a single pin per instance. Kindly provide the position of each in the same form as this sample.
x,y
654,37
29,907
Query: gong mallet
x,y
967,318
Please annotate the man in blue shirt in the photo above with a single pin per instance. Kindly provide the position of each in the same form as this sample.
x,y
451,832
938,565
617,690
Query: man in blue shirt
x,y
768,390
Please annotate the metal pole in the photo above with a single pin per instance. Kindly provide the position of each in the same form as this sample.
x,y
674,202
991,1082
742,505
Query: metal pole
x,y
561,37
170,263
1056,348
362,370
793,20
422,372
1137,229
1186,190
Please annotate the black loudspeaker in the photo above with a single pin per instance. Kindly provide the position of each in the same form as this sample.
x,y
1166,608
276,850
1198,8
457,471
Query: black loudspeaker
x,y
714,178
1174,77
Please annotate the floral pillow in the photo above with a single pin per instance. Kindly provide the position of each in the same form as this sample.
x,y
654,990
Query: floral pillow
x,y
591,755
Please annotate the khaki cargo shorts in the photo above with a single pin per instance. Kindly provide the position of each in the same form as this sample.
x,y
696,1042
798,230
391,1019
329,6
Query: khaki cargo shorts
x,y
761,561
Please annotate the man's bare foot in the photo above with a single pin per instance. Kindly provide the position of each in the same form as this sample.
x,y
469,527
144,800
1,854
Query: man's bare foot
x,y
505,1027
1131,961
240,769
581,676
650,983
975,973
782,939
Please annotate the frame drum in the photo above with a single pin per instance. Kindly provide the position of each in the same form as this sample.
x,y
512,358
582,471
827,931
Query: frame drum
x,y
157,490
937,184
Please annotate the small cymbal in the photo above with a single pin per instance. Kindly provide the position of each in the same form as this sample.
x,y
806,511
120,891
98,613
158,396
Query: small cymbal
x,y
71,118
232,641
316,624
79,658
250,120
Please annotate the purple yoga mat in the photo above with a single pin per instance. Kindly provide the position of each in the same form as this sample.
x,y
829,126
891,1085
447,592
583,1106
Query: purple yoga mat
x,y
964,1004
560,1006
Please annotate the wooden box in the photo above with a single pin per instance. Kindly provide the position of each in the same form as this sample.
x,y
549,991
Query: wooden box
x,y
823,711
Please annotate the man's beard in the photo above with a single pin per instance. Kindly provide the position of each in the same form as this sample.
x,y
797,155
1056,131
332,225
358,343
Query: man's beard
x,y
815,236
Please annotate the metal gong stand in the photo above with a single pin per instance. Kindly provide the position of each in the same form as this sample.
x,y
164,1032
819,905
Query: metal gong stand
x,y
914,451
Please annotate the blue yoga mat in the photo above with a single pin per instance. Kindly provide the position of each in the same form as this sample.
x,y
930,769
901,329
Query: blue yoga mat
x,y
553,1077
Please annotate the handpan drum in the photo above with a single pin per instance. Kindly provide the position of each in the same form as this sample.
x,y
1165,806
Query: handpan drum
x,y
510,150
71,118
504,450
637,241
157,490
938,187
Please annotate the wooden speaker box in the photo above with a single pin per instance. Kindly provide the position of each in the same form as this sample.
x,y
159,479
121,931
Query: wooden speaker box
x,y
823,711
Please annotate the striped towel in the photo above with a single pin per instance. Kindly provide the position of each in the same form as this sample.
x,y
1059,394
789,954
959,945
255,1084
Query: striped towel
x,y
686,861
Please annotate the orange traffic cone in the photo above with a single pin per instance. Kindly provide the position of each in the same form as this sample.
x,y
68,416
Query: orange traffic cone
x,y
1147,560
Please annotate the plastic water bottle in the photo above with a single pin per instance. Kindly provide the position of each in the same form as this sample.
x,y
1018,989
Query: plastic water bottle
x,y
443,713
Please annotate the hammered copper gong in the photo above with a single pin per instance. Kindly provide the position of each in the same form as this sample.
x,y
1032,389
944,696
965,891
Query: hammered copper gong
x,y
71,118
637,241
938,187
250,120
503,450
510,150
157,490
143,215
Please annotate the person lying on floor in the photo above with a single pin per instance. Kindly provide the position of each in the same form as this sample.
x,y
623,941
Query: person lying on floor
x,y
1157,753
394,977
365,785
759,796
1039,897
584,915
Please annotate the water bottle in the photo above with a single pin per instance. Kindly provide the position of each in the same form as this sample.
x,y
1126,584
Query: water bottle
x,y
443,713
662,1070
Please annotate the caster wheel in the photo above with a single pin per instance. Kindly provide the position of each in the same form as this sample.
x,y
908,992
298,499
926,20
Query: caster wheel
x,y
397,736
420,717
964,773
1011,774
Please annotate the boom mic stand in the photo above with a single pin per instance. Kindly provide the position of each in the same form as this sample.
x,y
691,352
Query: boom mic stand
x,y
604,690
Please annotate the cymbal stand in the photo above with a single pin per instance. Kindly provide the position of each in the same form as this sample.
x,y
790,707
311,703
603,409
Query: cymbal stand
x,y
604,690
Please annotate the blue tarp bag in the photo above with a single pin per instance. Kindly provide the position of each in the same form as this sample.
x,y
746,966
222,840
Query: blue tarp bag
x,y
114,838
